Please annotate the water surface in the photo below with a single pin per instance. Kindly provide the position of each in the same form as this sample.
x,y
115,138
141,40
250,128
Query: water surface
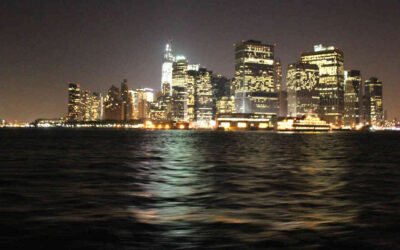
x,y
135,189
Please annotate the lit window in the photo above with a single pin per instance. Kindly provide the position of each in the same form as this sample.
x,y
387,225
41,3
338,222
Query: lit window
x,y
242,125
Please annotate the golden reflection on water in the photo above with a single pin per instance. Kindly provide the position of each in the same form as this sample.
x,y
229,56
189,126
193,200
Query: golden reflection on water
x,y
317,204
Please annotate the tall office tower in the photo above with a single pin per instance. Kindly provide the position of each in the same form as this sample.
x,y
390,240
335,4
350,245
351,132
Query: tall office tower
x,y
91,106
112,105
204,97
166,71
352,98
179,72
253,85
374,101
125,102
95,106
221,87
191,94
199,96
143,99
180,79
86,105
302,94
331,81
74,102
132,99
178,104
277,75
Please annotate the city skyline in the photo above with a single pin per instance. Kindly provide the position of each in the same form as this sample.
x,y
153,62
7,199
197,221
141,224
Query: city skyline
x,y
36,70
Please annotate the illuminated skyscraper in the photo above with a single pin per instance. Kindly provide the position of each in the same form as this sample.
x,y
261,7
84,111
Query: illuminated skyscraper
x,y
166,74
113,105
132,99
142,99
374,101
91,106
253,85
221,87
225,105
86,105
74,102
125,101
301,83
96,107
179,104
199,96
352,98
331,81
180,80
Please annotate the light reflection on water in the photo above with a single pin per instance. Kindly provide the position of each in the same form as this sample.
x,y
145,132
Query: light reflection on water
x,y
199,189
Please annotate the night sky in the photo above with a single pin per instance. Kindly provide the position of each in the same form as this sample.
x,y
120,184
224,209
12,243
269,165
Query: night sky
x,y
46,44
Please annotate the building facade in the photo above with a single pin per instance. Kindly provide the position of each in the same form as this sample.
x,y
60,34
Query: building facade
x,y
180,78
353,98
331,81
302,83
374,101
113,105
74,102
254,78
225,105
221,87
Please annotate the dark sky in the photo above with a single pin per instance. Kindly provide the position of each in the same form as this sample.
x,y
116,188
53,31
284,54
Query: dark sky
x,y
45,44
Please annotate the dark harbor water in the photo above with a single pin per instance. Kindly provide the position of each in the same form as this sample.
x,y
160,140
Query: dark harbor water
x,y
119,189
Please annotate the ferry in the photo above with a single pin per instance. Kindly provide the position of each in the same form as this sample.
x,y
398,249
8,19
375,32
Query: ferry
x,y
305,123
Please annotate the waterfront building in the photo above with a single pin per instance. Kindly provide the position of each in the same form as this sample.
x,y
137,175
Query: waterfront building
x,y
157,112
179,104
133,102
221,87
96,107
352,98
331,81
143,98
302,95
83,105
113,104
126,101
374,101
180,80
91,106
166,73
74,102
199,96
254,78
191,94
204,97
225,105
